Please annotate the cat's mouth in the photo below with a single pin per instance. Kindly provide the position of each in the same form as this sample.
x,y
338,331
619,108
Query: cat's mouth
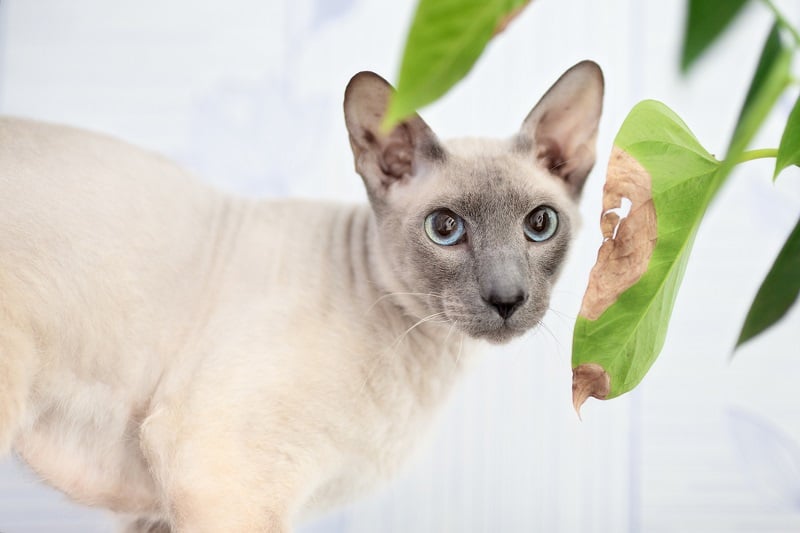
x,y
497,335
485,323
500,335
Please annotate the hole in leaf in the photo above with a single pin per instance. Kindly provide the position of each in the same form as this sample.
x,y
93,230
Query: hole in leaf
x,y
622,213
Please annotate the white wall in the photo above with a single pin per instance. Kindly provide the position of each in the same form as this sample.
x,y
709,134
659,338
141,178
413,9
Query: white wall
x,y
248,94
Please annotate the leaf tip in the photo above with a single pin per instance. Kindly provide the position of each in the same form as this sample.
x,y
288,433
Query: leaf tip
x,y
506,19
391,117
686,63
589,379
745,335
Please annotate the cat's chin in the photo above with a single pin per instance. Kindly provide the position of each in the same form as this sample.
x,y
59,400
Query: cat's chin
x,y
499,335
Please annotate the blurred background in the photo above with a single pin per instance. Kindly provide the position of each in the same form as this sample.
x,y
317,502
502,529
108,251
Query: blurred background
x,y
248,94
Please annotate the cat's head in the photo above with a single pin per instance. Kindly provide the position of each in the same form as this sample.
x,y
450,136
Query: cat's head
x,y
476,229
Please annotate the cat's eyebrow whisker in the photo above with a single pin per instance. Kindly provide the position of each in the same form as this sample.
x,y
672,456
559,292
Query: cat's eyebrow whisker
x,y
560,164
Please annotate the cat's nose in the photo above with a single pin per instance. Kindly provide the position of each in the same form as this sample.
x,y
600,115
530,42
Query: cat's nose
x,y
506,304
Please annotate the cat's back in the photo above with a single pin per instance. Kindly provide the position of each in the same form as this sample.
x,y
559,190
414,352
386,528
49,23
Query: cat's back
x,y
51,166
76,192
86,214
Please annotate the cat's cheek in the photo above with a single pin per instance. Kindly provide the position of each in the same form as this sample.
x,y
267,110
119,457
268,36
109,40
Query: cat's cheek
x,y
434,268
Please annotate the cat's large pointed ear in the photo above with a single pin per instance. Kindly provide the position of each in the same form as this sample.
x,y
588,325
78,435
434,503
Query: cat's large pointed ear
x,y
562,129
384,158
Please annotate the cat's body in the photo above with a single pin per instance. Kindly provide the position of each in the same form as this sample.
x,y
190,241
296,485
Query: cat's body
x,y
223,364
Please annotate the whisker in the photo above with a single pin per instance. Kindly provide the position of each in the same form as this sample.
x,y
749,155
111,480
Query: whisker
x,y
445,343
460,347
449,332
394,294
396,344
561,163
564,318
433,317
560,314
559,346
543,327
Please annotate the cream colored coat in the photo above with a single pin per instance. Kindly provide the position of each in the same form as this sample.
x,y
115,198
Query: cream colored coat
x,y
205,363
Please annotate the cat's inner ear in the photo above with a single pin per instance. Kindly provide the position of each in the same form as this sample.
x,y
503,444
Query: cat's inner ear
x,y
383,158
561,131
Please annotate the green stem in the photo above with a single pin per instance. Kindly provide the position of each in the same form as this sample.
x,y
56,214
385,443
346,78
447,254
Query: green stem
x,y
761,153
783,21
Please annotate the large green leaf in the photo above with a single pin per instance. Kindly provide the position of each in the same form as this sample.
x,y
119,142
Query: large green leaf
x,y
660,167
705,21
445,40
789,150
778,292
626,310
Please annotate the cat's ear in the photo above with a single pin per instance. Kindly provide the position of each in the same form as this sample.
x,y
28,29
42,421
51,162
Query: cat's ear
x,y
561,131
384,158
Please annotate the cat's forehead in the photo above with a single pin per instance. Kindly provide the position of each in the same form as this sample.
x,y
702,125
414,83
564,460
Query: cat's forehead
x,y
483,175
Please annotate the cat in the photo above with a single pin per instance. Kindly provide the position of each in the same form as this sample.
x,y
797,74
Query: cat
x,y
198,362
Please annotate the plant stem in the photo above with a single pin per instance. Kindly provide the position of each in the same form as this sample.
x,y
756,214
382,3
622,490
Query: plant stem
x,y
761,153
783,21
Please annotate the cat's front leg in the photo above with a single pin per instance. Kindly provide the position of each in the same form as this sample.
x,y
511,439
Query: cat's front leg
x,y
213,478
145,525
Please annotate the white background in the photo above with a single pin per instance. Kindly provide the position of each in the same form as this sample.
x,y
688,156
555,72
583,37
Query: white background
x,y
248,94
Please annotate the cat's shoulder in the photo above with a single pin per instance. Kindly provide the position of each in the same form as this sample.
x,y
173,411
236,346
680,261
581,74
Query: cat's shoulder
x,y
45,156
26,134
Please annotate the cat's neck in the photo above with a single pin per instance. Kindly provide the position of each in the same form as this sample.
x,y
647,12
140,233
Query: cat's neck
x,y
329,260
432,350
375,280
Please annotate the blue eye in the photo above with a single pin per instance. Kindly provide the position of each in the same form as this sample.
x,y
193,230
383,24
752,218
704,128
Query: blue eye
x,y
444,227
540,224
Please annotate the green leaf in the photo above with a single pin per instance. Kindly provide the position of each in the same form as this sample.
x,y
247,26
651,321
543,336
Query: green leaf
x,y
778,292
772,76
705,21
661,168
445,40
626,310
789,149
